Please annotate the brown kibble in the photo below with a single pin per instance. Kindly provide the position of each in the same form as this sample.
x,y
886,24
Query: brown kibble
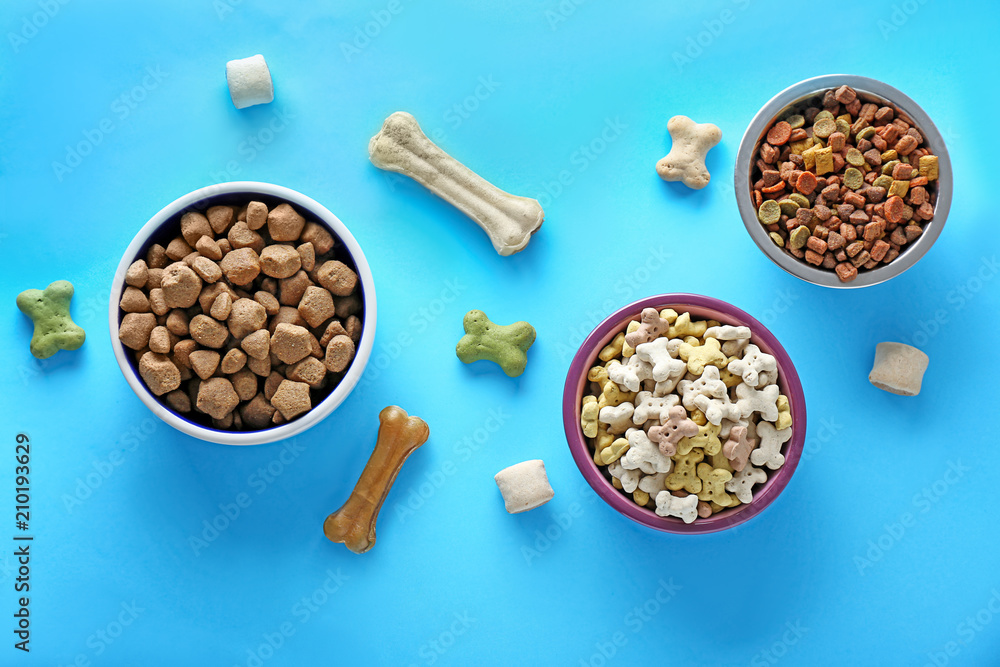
x,y
879,250
912,232
290,343
318,235
224,424
154,279
256,215
353,326
234,360
181,286
159,373
835,241
268,300
278,419
220,218
257,344
135,328
339,353
178,249
241,236
291,399
334,328
284,223
894,209
280,261
246,317
307,256
137,274
245,383
258,412
157,302
177,322
269,285
194,225
816,244
348,305
271,384
178,401
210,292
290,290
208,332
156,257
206,269
845,95
225,246
288,315
182,352
310,370
316,306
221,307
241,266
338,277
160,340
134,300
208,247
204,362
846,272
217,398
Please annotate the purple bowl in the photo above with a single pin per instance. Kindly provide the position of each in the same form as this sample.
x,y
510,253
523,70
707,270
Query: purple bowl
x,y
703,307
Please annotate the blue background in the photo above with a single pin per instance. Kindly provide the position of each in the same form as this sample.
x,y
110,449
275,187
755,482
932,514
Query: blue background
x,y
874,554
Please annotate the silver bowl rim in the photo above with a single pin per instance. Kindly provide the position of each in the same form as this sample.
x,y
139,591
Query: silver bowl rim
x,y
803,90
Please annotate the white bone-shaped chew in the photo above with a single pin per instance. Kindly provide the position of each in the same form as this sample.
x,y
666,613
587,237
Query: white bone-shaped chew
x,y
686,160
764,401
752,364
768,453
735,347
649,407
728,332
618,418
743,482
653,484
708,384
658,355
509,220
644,455
685,509
717,409
630,374
630,479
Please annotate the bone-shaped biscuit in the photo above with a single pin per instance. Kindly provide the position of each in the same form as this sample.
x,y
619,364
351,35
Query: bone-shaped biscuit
x,y
505,345
658,355
686,160
509,220
685,509
769,452
49,310
649,407
399,435
743,481
643,454
618,418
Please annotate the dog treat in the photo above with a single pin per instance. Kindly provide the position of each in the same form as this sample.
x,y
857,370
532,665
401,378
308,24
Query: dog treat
x,y
676,424
54,328
399,435
849,187
249,81
524,486
504,345
509,220
898,368
686,160
215,313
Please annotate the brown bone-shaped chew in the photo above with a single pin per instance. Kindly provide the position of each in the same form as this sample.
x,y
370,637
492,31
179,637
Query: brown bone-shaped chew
x,y
399,435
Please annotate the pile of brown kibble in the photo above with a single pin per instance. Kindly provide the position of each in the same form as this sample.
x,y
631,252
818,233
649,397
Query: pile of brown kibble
x,y
246,319
844,184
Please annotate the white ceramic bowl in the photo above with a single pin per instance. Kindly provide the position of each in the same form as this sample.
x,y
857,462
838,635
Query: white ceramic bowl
x,y
232,193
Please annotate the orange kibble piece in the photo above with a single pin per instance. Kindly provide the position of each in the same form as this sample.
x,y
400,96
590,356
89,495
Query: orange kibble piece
x,y
779,133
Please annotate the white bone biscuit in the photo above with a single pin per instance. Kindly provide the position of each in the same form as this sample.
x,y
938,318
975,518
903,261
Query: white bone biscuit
x,y
768,452
644,455
685,509
686,160
249,81
524,486
618,418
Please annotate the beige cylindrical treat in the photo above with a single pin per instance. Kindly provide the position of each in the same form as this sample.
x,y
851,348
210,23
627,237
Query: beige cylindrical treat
x,y
137,273
246,317
337,277
290,290
241,266
318,235
284,223
194,225
245,383
256,216
290,343
249,81
258,412
292,399
280,261
134,300
310,370
307,254
241,236
316,306
204,362
221,307
217,398
208,332
257,344
208,247
135,328
159,373
181,286
339,353
206,269
220,218
524,486
234,360
898,368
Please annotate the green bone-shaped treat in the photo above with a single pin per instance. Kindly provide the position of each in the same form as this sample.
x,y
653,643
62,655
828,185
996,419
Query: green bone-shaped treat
x,y
49,310
505,345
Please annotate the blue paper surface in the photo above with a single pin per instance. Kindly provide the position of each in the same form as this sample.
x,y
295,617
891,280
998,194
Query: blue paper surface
x,y
883,548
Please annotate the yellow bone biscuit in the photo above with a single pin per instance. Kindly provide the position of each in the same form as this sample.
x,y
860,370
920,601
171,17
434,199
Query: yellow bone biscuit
x,y
707,439
713,484
612,349
685,474
709,354
683,326
588,416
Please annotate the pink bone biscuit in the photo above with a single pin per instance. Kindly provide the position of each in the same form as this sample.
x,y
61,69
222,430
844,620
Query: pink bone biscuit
x,y
651,325
737,448
671,431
